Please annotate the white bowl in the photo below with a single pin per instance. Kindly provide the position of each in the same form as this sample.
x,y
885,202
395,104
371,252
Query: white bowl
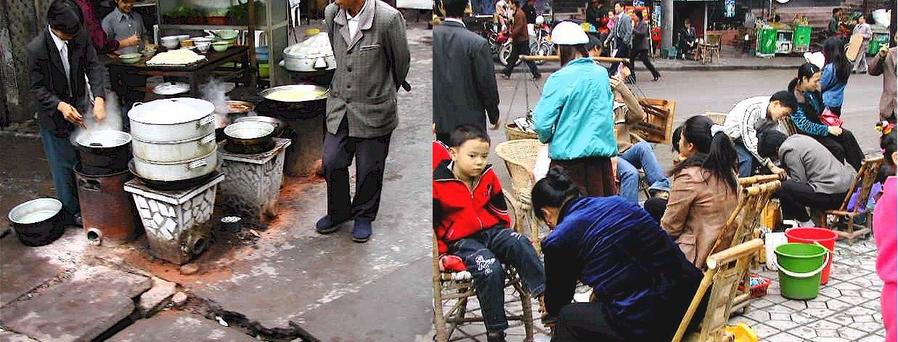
x,y
201,40
183,37
203,46
170,42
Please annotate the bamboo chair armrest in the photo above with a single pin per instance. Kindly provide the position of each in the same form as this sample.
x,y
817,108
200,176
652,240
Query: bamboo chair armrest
x,y
731,254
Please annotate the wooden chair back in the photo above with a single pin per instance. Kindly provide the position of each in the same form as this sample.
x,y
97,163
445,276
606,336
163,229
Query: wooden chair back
x,y
725,270
754,195
863,181
658,123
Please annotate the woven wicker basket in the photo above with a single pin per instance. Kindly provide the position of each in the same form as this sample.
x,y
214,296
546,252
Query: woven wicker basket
x,y
512,132
520,158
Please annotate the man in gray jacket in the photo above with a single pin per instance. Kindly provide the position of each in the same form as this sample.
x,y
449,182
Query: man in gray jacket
x,y
622,35
816,180
464,81
368,39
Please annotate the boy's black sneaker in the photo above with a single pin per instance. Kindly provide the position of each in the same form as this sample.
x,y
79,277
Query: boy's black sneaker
x,y
327,225
361,230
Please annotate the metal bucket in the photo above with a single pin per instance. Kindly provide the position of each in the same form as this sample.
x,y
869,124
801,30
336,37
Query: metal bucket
x,y
107,210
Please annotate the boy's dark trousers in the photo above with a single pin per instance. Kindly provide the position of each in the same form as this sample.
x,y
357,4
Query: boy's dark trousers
x,y
370,155
484,253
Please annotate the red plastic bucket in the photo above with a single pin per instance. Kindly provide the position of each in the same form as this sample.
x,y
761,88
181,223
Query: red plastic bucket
x,y
825,237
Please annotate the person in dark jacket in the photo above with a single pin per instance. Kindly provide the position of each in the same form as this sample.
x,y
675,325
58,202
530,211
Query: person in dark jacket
x,y
530,11
58,60
520,42
471,222
642,283
622,35
686,40
594,13
464,81
641,47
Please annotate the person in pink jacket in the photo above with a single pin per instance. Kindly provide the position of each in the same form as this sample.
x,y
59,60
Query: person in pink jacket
x,y
884,232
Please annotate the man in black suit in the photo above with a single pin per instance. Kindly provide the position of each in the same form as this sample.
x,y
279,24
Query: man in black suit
x,y
464,81
58,60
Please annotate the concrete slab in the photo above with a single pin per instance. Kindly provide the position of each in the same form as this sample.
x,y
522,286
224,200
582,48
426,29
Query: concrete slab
x,y
83,308
22,269
68,312
8,336
178,326
156,298
372,315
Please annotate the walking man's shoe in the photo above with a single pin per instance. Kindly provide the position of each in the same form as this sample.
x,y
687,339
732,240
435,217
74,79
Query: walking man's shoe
x,y
327,225
361,231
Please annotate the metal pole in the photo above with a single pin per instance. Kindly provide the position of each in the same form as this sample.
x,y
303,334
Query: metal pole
x,y
705,30
667,25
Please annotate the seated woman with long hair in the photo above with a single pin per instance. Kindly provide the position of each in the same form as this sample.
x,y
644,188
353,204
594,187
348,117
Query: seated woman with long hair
x,y
642,283
839,141
704,191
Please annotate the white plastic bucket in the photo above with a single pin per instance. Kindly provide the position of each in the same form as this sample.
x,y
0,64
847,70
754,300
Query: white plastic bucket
x,y
771,242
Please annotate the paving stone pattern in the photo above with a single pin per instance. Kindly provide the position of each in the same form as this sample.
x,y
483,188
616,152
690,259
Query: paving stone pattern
x,y
847,308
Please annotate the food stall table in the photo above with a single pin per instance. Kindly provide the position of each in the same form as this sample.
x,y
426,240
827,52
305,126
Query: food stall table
x,y
196,73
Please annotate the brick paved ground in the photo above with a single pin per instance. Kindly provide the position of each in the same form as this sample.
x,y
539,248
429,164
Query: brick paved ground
x,y
847,308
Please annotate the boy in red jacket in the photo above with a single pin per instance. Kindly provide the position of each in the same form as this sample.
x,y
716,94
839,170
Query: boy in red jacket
x,y
471,222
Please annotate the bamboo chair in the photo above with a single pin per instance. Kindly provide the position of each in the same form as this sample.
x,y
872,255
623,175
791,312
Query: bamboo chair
x,y
725,270
744,224
453,289
718,118
863,181
520,157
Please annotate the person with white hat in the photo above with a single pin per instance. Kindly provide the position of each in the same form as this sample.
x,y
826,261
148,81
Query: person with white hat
x,y
574,114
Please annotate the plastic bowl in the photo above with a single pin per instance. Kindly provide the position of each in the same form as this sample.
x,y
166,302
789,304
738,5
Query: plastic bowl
x,y
130,58
203,46
226,34
220,46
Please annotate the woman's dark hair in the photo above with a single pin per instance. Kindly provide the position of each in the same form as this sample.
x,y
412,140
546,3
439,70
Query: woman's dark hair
x,y
65,16
638,14
675,139
454,8
805,71
769,142
887,143
572,52
833,52
715,153
553,191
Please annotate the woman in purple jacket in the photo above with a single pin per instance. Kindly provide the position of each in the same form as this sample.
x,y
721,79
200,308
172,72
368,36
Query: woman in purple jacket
x,y
641,281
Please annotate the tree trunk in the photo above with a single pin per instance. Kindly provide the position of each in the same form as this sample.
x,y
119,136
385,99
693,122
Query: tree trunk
x,y
667,25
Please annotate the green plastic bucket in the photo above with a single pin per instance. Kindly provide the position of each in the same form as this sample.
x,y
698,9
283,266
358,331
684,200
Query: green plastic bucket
x,y
800,265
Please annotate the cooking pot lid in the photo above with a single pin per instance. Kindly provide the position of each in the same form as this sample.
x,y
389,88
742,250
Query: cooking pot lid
x,y
170,111
103,139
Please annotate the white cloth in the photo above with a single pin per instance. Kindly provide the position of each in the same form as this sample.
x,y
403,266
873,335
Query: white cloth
x,y
353,22
63,48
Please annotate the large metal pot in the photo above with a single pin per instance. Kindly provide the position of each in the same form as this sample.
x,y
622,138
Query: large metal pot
x,y
104,151
176,171
278,124
37,222
175,150
296,108
311,55
170,120
249,137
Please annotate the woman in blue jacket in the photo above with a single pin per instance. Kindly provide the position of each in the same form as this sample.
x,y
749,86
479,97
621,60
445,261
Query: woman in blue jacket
x,y
841,142
574,115
641,281
836,70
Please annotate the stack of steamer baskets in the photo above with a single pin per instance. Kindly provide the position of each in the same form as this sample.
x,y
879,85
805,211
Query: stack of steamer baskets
x,y
173,142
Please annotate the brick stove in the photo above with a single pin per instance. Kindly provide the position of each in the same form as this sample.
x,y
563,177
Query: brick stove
x,y
252,182
177,223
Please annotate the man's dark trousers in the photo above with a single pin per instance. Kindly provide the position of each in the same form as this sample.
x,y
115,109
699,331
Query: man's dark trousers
x,y
370,155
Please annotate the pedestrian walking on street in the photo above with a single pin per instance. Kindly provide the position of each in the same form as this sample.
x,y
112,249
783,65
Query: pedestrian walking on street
x,y
59,58
574,115
863,29
464,81
368,39
520,42
885,64
622,35
641,47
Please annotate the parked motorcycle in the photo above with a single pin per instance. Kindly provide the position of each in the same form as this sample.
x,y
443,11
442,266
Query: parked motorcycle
x,y
540,42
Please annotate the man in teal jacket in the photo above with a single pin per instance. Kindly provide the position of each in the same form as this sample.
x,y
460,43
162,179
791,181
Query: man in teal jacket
x,y
575,114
